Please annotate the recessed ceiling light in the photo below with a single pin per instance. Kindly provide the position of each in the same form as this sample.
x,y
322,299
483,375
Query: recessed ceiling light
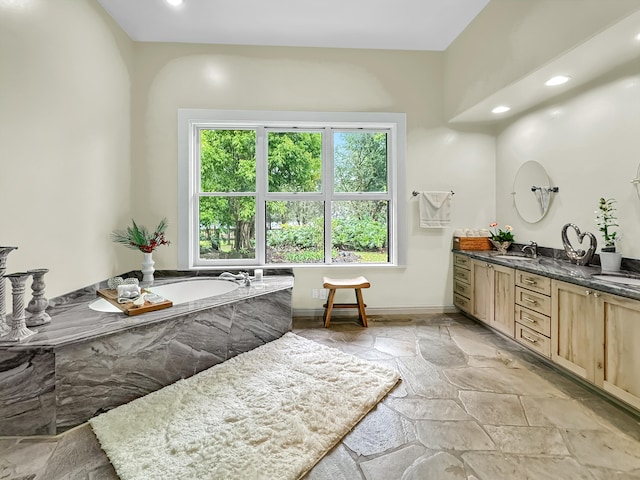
x,y
557,80
175,2
638,36
501,109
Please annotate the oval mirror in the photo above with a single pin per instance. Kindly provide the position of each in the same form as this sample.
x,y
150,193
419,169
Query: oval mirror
x,y
532,192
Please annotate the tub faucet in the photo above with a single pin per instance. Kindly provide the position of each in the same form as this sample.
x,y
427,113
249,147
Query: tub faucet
x,y
245,278
242,278
530,250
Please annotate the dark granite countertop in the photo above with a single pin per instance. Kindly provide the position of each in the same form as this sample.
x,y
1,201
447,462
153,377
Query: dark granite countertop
x,y
561,269
73,321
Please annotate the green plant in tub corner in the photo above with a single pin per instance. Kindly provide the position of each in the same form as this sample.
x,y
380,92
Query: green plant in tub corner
x,y
606,220
138,237
501,235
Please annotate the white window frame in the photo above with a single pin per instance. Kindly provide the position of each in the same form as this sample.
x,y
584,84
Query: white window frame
x,y
190,121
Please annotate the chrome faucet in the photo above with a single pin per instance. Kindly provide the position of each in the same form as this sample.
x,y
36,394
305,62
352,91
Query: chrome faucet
x,y
242,278
530,250
579,257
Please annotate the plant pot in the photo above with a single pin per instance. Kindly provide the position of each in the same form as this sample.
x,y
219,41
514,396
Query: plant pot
x,y
610,261
502,247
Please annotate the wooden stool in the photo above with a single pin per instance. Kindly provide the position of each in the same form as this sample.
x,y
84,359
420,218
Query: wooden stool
x,y
333,284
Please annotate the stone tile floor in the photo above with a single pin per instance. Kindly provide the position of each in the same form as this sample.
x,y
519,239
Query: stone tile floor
x,y
472,405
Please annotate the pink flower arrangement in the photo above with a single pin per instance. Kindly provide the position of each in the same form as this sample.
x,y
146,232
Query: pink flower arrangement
x,y
501,235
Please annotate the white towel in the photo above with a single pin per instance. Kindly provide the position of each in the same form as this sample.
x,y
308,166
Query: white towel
x,y
545,193
435,209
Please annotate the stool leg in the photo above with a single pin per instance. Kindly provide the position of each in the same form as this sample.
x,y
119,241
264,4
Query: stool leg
x,y
328,307
362,312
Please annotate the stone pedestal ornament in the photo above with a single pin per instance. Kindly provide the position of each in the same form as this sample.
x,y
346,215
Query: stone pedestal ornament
x,y
19,330
38,304
147,268
4,252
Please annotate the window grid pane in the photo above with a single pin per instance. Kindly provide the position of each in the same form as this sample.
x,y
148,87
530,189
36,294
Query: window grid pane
x,y
356,198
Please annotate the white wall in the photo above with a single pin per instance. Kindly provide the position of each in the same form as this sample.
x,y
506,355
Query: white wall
x,y
588,142
173,76
64,139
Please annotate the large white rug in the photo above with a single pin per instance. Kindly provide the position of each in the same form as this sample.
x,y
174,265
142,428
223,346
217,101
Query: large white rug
x,y
271,413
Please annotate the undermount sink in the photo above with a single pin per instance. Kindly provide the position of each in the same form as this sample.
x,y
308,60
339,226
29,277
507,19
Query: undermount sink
x,y
514,257
617,279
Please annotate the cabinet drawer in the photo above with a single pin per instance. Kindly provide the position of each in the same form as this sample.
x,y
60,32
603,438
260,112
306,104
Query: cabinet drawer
x,y
533,301
462,275
461,302
534,282
462,288
462,261
534,320
533,340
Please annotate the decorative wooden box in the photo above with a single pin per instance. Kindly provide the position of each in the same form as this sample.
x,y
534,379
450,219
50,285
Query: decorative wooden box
x,y
471,243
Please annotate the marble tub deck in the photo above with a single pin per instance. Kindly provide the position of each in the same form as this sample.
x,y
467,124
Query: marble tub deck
x,y
85,362
472,405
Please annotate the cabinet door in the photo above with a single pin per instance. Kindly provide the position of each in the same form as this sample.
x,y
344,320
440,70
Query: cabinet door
x,y
503,315
618,359
573,328
482,281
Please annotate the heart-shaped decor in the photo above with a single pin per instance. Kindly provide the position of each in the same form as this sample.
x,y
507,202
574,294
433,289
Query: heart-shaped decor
x,y
579,257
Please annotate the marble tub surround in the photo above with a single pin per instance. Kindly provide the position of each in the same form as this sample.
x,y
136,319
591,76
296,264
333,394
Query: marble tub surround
x,y
101,360
471,406
557,266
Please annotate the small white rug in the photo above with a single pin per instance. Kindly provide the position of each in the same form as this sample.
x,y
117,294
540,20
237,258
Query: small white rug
x,y
271,413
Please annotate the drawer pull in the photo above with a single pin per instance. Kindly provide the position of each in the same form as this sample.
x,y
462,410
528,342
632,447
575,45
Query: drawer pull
x,y
529,339
533,302
529,281
596,294
460,274
530,320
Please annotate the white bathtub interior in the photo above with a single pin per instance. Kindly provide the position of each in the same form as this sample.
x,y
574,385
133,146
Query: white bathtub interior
x,y
179,292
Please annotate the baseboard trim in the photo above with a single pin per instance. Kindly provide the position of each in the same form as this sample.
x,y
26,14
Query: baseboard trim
x,y
372,311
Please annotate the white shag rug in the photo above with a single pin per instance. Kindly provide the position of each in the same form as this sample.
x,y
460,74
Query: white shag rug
x,y
271,413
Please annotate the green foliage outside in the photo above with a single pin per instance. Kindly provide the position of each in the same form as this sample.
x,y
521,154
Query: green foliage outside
x,y
295,228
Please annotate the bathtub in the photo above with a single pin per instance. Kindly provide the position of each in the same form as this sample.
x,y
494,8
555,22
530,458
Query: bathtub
x,y
179,292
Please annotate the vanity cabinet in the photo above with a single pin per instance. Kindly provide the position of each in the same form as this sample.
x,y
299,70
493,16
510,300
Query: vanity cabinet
x,y
493,295
617,369
595,336
590,333
533,311
574,328
462,288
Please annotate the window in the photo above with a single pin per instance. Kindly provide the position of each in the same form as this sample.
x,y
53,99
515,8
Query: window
x,y
287,188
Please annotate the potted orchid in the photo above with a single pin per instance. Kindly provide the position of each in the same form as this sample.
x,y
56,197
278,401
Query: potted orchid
x,y
606,220
501,239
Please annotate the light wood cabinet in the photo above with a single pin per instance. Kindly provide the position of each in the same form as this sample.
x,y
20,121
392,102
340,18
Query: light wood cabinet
x,y
462,287
587,332
573,328
493,295
595,335
617,368
532,312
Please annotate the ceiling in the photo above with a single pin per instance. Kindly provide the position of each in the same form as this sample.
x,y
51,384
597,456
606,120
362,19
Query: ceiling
x,y
376,24
613,47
